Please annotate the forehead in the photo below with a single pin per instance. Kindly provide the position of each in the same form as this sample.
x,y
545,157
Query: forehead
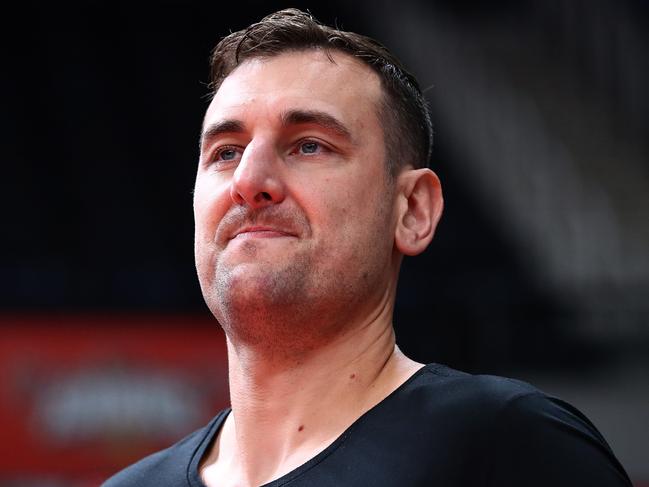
x,y
332,82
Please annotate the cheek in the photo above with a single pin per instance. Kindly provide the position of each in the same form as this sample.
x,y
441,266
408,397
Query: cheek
x,y
207,215
350,202
349,220
210,204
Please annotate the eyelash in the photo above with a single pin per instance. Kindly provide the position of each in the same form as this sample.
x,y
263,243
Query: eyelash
x,y
217,153
322,147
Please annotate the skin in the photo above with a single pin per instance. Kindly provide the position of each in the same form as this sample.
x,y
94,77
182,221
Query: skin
x,y
299,237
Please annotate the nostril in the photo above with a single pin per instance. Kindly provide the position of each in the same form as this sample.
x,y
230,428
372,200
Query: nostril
x,y
263,196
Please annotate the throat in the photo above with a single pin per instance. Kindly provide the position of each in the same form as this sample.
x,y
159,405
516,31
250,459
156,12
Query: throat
x,y
280,422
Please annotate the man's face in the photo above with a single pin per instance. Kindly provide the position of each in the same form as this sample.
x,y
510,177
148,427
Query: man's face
x,y
292,202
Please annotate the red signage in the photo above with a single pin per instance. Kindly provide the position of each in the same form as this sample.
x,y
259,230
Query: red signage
x,y
83,396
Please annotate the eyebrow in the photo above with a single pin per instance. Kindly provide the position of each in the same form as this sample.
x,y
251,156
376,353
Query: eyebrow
x,y
288,118
219,128
316,117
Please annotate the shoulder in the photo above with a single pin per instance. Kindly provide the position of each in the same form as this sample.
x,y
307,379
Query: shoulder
x,y
168,467
521,431
440,388
465,405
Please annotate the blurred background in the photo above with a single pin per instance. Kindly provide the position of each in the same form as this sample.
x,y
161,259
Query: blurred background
x,y
539,269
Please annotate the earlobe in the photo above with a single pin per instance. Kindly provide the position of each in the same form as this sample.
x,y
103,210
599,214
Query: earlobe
x,y
421,194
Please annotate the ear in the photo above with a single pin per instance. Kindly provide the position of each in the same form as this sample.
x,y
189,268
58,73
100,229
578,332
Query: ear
x,y
419,210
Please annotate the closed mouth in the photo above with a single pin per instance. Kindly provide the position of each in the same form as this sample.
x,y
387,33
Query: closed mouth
x,y
260,231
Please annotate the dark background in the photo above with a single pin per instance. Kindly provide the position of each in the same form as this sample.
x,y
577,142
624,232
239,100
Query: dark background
x,y
540,266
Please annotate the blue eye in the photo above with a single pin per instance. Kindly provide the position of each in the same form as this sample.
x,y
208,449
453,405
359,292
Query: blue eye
x,y
309,147
228,154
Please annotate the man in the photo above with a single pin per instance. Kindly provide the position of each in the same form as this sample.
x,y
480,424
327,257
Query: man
x,y
312,185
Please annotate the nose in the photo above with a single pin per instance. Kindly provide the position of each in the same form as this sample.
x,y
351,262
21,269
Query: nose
x,y
257,181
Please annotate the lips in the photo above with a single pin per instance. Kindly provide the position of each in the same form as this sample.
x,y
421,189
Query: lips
x,y
268,222
261,231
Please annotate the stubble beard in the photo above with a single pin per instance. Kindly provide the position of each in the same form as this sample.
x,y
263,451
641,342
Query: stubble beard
x,y
263,305
301,301
292,307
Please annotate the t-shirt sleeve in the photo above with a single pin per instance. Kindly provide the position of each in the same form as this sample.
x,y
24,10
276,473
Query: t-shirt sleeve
x,y
542,441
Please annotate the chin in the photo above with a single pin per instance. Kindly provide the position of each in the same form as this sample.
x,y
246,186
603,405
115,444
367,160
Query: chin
x,y
261,284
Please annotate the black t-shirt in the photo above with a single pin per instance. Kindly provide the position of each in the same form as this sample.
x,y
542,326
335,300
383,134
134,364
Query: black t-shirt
x,y
441,428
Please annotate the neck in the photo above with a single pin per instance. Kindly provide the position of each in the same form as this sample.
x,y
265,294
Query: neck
x,y
287,408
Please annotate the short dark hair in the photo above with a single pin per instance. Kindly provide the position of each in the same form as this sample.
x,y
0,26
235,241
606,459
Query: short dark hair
x,y
408,132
